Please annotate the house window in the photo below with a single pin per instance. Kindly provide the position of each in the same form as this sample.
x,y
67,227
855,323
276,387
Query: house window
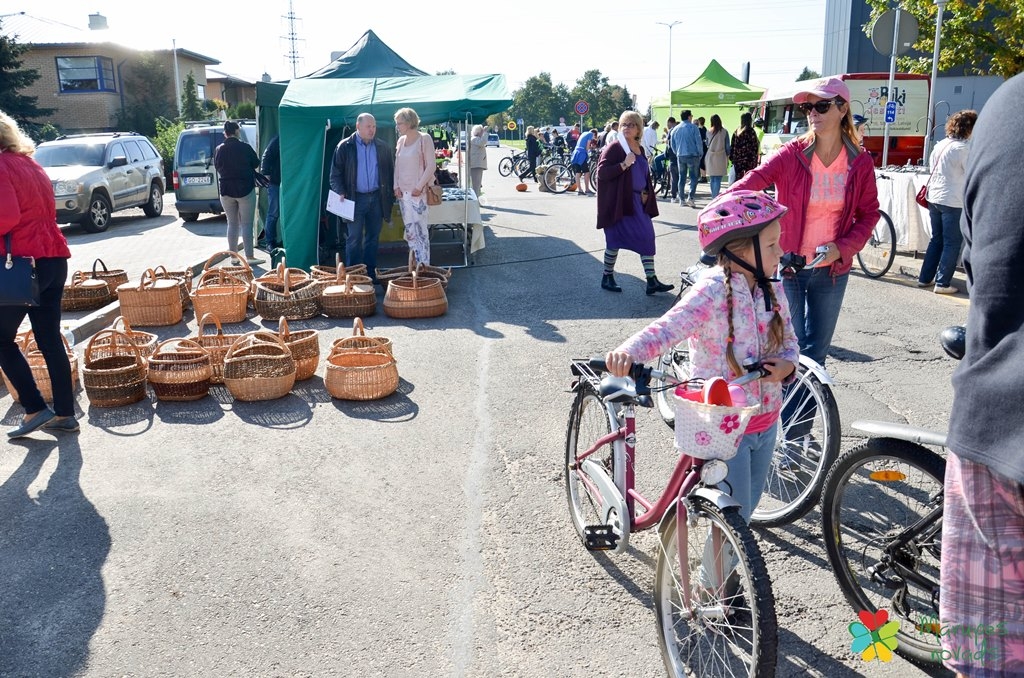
x,y
85,74
201,92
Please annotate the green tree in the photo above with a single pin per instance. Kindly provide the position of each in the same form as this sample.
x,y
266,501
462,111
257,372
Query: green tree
x,y
146,84
534,102
243,110
165,140
808,74
606,101
22,108
985,37
191,107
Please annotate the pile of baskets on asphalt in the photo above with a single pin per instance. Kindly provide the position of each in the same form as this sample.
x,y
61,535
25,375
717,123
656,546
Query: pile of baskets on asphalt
x,y
121,363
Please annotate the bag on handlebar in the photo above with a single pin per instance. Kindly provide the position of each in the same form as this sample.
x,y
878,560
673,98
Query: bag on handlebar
x,y
705,430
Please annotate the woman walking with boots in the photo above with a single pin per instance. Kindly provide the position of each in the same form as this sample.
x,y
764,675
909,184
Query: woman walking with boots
x,y
626,203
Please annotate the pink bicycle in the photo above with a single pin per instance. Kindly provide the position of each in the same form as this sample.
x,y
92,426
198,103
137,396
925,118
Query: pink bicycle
x,y
712,594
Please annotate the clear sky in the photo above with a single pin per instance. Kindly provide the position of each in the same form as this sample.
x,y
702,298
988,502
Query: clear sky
x,y
621,39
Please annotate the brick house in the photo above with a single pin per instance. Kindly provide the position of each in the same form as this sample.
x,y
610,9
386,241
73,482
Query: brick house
x,y
81,70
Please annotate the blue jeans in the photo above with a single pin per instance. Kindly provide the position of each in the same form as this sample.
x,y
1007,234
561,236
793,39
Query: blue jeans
x,y
815,299
364,232
273,212
716,185
944,247
691,163
45,318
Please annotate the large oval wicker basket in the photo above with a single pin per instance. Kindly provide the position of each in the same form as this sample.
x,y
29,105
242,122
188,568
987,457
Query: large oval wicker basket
x,y
179,370
330,273
283,296
356,373
414,297
83,293
119,377
259,367
305,348
425,271
113,276
184,279
154,302
222,294
349,296
37,364
369,343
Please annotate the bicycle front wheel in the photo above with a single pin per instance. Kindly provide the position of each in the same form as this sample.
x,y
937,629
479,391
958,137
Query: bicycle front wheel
x,y
505,167
881,519
558,178
588,421
807,443
723,622
876,257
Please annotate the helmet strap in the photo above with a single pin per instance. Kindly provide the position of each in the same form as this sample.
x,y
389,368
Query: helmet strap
x,y
760,278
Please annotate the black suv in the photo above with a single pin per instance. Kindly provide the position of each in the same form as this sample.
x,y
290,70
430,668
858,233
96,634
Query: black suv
x,y
94,175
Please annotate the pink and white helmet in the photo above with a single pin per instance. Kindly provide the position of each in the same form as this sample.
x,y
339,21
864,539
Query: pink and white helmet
x,y
735,215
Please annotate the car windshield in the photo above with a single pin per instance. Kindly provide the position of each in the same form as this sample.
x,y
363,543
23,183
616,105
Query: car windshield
x,y
69,155
197,149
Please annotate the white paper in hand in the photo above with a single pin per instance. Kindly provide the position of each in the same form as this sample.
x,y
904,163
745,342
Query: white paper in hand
x,y
625,144
346,209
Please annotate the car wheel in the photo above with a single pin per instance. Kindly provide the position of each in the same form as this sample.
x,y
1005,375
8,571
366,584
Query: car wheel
x,y
155,206
188,217
97,217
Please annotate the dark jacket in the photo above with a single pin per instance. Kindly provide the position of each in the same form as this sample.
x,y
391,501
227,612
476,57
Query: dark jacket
x,y
344,168
985,425
271,163
615,192
236,165
532,147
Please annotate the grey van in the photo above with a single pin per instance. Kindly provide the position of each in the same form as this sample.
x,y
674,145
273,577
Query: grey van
x,y
195,178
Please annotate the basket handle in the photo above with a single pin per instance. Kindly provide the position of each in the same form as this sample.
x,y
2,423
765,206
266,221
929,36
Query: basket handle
x,y
287,281
338,347
125,327
77,278
180,341
282,330
339,269
116,338
209,317
220,255
100,262
357,328
250,338
348,285
412,259
149,274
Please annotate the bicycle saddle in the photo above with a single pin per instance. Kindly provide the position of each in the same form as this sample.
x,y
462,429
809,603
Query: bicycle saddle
x,y
953,340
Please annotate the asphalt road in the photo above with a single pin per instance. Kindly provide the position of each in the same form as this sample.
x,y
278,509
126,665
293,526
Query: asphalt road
x,y
425,534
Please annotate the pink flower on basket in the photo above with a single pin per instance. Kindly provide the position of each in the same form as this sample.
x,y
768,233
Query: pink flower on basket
x,y
702,438
730,423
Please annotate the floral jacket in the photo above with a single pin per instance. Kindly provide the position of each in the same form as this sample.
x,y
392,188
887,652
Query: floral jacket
x,y
702,318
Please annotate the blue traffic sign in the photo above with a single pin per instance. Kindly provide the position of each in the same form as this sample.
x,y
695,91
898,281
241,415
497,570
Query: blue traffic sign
x,y
582,107
890,111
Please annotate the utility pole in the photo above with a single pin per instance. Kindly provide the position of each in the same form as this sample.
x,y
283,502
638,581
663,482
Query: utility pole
x,y
293,39
670,25
926,160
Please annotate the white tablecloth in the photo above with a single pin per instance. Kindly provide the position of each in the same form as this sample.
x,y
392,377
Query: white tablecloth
x,y
896,193
460,212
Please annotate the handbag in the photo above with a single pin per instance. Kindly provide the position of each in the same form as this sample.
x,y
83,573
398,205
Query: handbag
x,y
922,194
19,284
434,193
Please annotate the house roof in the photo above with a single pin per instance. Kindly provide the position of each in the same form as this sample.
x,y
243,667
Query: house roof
x,y
214,74
39,31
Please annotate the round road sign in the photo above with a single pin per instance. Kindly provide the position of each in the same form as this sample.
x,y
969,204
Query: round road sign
x,y
511,125
582,107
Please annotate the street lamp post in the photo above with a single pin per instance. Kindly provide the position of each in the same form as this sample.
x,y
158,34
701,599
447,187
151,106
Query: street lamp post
x,y
926,160
670,25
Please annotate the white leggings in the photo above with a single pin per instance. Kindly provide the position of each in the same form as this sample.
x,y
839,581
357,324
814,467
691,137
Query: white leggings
x,y
240,213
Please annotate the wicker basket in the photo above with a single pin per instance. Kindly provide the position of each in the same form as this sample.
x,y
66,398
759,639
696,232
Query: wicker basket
x,y
113,277
349,296
154,302
237,265
106,345
118,378
184,279
179,370
414,297
37,364
369,343
221,294
83,293
283,296
355,373
305,348
259,367
216,345
425,271
330,273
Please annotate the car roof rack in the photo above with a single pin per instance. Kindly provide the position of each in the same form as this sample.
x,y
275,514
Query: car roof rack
x,y
216,123
112,135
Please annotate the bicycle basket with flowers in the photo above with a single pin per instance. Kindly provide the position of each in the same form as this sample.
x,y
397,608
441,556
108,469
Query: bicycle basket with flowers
x,y
711,420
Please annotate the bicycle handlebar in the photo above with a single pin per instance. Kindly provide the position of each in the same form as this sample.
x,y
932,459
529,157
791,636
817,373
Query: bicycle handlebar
x,y
642,375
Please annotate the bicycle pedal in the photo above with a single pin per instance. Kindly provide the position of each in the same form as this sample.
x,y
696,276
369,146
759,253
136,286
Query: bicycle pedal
x,y
599,538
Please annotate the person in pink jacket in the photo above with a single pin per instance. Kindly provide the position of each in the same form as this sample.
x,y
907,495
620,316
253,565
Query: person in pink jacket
x,y
733,317
828,183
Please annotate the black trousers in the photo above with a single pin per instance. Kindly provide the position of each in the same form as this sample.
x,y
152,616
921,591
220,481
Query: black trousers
x,y
45,320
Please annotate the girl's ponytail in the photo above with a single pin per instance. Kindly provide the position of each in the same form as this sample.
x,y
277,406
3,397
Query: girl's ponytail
x,y
776,326
730,356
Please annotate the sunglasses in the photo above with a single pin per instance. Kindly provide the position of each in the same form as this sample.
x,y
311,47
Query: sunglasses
x,y
820,106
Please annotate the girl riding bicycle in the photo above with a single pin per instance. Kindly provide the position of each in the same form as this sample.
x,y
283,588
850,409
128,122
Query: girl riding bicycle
x,y
734,316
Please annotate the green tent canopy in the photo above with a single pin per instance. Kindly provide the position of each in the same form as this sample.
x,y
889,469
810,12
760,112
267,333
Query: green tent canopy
x,y
316,113
714,91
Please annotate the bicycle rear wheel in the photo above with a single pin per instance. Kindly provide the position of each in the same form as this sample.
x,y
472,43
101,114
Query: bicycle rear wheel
x,y
588,421
505,166
558,178
873,496
806,445
876,257
727,626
